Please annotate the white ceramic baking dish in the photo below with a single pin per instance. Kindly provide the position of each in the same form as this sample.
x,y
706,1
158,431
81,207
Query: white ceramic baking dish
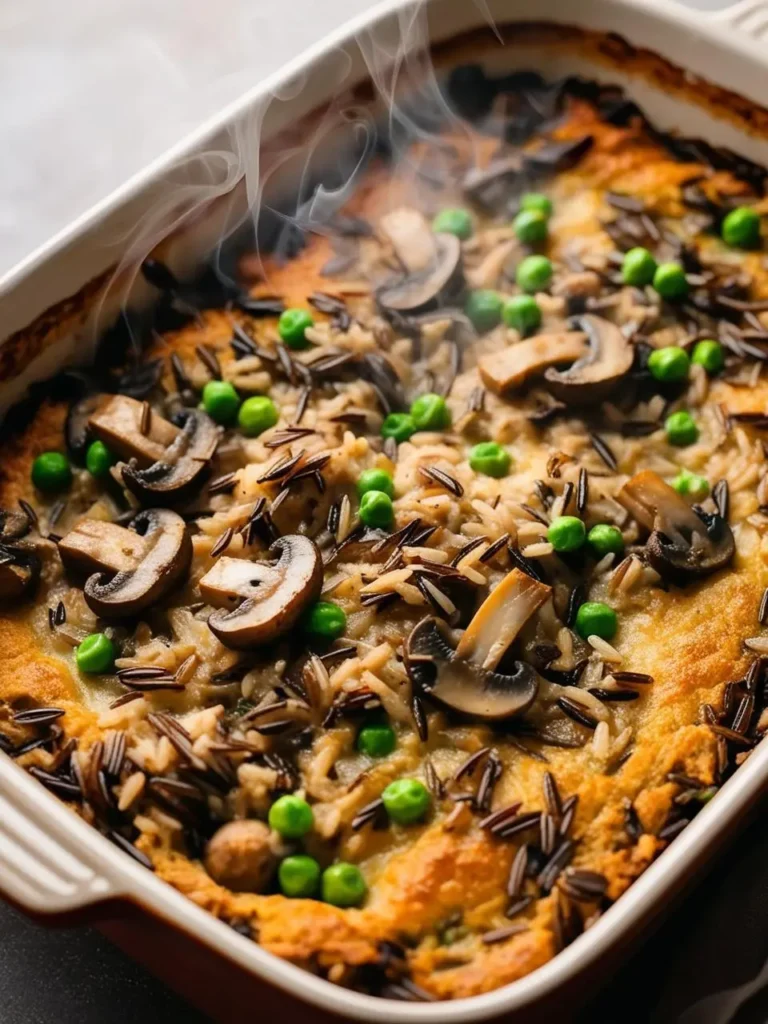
x,y
51,862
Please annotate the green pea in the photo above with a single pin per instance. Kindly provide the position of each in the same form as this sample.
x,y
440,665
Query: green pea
x,y
596,619
376,510
343,885
638,267
375,480
531,227
670,364
709,354
96,654
490,459
398,425
456,221
691,485
522,312
98,459
51,472
256,415
484,308
377,739
292,326
291,816
536,201
221,401
670,282
681,429
534,274
605,540
741,228
566,533
299,876
325,621
406,801
430,412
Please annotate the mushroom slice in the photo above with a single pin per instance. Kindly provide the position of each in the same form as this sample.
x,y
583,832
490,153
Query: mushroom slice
x,y
411,237
432,262
179,472
13,525
134,567
466,679
594,375
417,291
500,618
518,363
118,421
19,572
260,601
684,543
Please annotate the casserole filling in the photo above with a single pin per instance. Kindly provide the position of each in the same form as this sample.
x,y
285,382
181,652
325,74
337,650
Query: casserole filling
x,y
400,605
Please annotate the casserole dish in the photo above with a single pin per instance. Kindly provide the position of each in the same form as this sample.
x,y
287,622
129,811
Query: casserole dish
x,y
59,880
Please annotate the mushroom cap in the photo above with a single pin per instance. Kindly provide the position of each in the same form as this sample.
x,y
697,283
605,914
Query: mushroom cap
x,y
240,857
166,556
417,290
685,543
593,376
269,597
20,569
180,471
459,684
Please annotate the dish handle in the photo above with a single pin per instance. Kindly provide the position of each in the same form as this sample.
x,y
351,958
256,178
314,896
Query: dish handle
x,y
748,17
44,869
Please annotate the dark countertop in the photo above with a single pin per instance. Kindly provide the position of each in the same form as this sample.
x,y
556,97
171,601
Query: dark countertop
x,y
717,939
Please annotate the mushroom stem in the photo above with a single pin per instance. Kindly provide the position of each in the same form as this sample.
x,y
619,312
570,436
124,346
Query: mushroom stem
x,y
117,422
500,618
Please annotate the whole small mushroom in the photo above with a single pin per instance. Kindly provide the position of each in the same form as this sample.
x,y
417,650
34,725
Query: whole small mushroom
x,y
240,856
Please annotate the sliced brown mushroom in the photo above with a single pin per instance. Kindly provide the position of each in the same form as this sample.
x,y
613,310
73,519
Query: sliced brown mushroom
x,y
13,525
410,235
432,263
685,543
117,422
260,601
19,572
240,856
519,363
170,462
133,568
466,679
180,472
594,375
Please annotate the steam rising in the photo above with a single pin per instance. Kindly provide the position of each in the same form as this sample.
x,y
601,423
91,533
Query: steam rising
x,y
300,189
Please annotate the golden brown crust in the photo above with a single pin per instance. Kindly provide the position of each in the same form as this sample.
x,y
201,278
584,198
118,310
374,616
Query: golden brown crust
x,y
682,638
